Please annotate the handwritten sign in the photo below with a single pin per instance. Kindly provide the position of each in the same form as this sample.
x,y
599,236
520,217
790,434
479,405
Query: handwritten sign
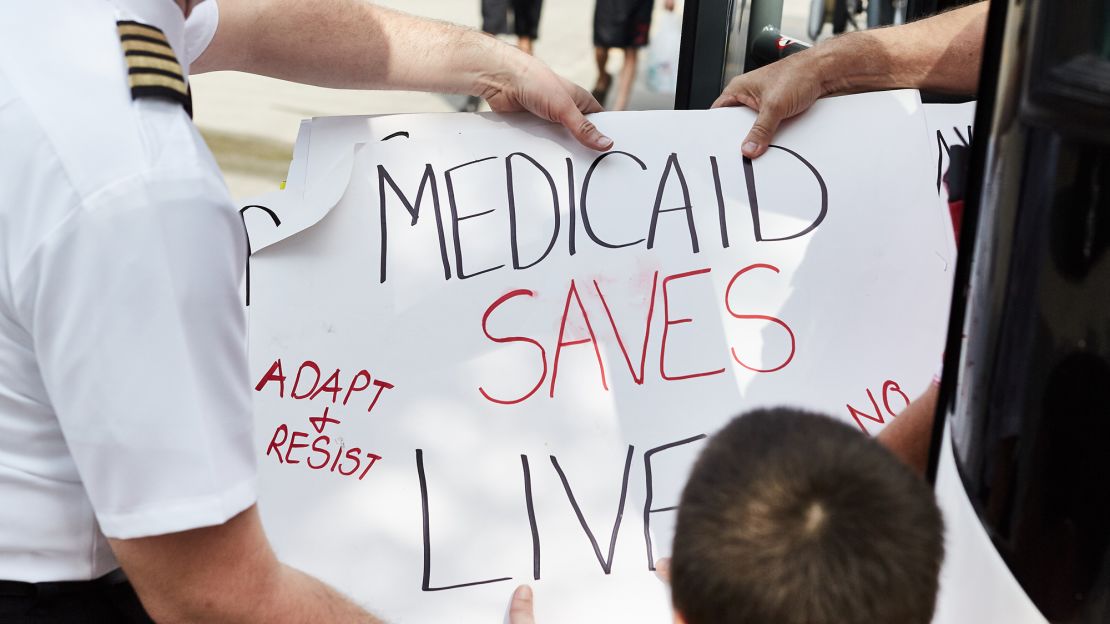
x,y
494,357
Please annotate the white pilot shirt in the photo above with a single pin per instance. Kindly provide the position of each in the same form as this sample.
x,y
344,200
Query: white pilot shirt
x,y
124,391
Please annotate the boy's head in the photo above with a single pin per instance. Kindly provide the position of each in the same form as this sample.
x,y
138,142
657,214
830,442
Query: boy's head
x,y
793,518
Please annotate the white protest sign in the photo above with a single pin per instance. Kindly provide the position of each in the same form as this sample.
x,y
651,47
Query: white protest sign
x,y
331,141
330,133
495,359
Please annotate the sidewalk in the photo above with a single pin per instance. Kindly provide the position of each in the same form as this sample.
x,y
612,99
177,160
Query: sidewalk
x,y
250,122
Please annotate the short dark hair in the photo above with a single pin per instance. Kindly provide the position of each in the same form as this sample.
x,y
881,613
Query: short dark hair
x,y
791,517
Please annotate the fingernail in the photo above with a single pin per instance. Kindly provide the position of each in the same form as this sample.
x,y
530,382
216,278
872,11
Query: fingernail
x,y
602,141
523,592
663,569
750,148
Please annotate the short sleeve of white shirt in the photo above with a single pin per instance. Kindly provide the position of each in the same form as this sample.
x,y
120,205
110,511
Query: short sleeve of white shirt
x,y
200,28
134,311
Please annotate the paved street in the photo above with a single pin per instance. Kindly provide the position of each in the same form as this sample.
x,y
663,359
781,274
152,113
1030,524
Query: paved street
x,y
251,122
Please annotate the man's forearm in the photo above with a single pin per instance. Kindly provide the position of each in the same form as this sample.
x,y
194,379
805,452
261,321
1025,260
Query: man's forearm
x,y
288,596
910,435
354,44
227,573
302,598
941,53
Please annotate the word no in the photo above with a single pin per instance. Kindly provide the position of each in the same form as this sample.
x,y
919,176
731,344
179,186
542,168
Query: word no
x,y
876,415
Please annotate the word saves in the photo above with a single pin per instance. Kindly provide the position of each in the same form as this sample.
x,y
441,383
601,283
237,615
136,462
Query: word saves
x,y
517,303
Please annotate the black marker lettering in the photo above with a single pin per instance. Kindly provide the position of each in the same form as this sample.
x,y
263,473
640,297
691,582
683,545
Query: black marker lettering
x,y
720,201
673,165
426,584
512,209
944,149
585,191
606,562
414,211
277,223
570,206
649,494
455,219
753,201
531,518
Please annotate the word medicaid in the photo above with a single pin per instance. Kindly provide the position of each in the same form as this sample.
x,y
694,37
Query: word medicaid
x,y
569,202
309,383
328,454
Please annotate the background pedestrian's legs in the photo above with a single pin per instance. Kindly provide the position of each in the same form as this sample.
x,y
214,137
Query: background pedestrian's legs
x,y
495,16
627,77
526,22
604,80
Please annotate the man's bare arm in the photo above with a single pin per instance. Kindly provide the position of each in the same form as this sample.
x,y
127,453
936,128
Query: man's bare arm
x,y
355,44
227,573
911,434
941,53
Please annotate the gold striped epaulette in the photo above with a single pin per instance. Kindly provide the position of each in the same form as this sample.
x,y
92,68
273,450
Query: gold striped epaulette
x,y
152,67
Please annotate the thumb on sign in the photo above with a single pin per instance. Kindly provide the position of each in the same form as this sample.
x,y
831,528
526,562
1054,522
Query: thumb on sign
x,y
520,606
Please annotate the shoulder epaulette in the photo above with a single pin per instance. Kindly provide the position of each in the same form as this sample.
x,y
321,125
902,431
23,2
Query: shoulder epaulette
x,y
152,67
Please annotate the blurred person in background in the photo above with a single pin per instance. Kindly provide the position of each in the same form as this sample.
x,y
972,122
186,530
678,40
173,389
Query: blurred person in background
x,y
523,14
623,24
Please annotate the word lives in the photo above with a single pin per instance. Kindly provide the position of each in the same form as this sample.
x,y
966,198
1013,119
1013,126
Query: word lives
x,y
596,536
320,449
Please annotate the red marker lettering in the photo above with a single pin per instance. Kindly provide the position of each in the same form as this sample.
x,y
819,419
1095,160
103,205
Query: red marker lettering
x,y
293,445
362,374
728,306
639,379
297,381
331,386
573,294
322,451
275,445
510,339
667,322
274,374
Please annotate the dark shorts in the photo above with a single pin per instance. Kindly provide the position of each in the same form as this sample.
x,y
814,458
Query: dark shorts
x,y
107,600
524,22
622,23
